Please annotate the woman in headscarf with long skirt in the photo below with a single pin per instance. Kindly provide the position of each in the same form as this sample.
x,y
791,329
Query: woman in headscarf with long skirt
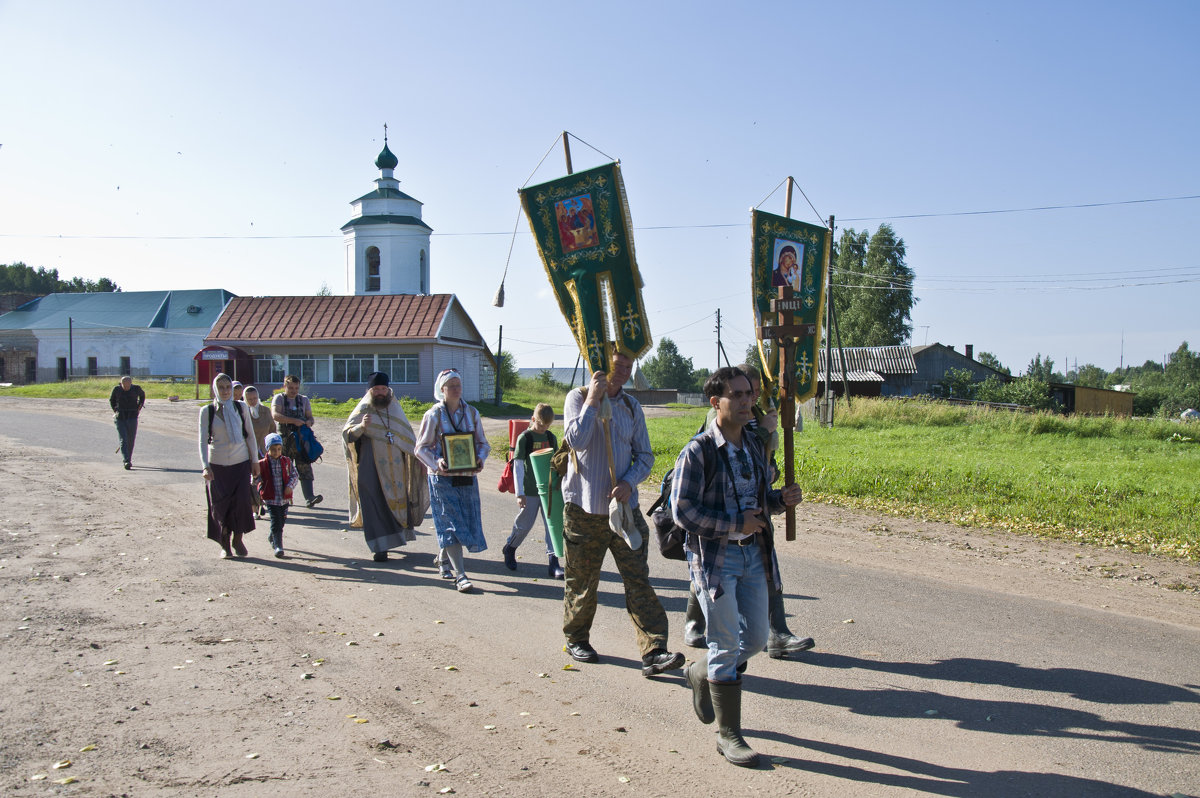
x,y
453,496
229,454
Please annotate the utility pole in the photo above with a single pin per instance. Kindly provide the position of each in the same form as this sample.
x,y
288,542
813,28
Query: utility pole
x,y
499,366
70,348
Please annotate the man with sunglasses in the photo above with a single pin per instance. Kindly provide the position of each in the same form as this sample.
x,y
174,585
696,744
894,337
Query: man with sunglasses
x,y
721,493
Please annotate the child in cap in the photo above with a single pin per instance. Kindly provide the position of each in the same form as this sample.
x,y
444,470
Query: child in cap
x,y
276,479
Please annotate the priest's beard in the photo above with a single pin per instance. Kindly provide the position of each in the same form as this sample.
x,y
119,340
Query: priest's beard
x,y
381,402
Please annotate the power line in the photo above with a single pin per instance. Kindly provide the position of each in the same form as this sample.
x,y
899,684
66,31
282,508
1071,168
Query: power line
x,y
1031,209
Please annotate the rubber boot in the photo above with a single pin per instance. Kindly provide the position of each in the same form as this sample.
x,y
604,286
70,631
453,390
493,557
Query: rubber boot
x,y
239,548
226,552
781,641
554,569
696,675
693,624
727,707
510,557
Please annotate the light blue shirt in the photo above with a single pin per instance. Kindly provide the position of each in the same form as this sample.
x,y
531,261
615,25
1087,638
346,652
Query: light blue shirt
x,y
588,482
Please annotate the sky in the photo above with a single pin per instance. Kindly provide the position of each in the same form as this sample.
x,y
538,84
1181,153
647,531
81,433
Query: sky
x,y
219,144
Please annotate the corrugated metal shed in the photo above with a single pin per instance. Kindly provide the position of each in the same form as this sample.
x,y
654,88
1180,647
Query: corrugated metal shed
x,y
874,360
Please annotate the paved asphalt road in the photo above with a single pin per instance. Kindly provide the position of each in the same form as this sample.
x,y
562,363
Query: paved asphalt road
x,y
932,689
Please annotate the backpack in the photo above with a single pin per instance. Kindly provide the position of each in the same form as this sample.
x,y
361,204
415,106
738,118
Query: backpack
x,y
308,448
212,412
564,453
670,535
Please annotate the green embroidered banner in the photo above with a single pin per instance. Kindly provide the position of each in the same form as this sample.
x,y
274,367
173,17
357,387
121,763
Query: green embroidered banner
x,y
792,254
584,236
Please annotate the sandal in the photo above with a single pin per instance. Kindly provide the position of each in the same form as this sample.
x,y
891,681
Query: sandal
x,y
447,573
463,584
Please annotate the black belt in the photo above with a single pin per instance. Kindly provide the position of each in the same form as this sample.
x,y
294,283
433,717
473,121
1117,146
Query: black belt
x,y
750,541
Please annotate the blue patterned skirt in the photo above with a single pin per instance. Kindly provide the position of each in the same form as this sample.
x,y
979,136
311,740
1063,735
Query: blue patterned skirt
x,y
455,511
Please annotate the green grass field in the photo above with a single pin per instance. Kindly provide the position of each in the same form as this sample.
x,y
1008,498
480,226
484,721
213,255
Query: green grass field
x,y
1125,483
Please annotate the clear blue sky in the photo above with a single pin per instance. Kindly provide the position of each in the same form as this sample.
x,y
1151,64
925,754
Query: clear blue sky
x,y
218,145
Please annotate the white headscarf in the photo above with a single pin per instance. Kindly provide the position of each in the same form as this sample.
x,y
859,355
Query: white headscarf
x,y
442,379
256,408
232,419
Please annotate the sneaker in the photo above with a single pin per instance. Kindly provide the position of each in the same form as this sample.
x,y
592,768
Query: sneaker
x,y
659,661
379,556
463,585
314,501
279,553
129,466
582,652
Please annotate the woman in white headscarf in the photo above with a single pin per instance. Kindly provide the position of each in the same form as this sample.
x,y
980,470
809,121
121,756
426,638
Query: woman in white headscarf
x,y
229,454
453,497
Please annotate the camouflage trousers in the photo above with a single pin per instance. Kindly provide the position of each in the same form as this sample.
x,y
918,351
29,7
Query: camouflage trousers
x,y
587,539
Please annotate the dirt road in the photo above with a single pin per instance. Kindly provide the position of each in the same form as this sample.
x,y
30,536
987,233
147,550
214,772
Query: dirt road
x,y
949,662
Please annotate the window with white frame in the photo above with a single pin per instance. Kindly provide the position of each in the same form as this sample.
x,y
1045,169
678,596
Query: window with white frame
x,y
400,368
309,368
269,369
352,368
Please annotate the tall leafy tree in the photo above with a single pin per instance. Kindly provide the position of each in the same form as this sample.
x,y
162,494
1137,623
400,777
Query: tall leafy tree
x,y
19,278
667,368
990,360
873,288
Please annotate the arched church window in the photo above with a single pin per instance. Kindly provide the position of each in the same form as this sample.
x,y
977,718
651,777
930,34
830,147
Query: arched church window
x,y
372,268
424,274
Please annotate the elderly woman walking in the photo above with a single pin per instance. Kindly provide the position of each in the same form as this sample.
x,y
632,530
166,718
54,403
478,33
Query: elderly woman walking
x,y
453,496
229,454
264,425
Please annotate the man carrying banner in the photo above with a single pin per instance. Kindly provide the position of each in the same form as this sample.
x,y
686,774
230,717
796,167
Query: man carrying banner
x,y
588,489
730,552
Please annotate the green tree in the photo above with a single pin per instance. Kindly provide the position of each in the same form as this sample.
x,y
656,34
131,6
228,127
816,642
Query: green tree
x,y
1039,369
873,288
991,361
19,278
667,368
1091,376
508,370
959,383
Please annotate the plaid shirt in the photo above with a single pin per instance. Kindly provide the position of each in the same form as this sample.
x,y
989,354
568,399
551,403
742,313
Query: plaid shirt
x,y
703,509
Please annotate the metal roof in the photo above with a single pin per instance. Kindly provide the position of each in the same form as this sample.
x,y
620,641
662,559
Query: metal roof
x,y
293,319
879,359
410,221
129,309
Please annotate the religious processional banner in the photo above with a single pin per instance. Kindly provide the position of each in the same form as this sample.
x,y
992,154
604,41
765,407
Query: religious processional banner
x,y
788,253
584,236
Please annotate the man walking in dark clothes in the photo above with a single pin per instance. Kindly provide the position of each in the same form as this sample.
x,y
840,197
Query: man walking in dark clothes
x,y
126,400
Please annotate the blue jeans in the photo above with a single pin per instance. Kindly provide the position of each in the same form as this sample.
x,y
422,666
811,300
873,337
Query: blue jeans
x,y
127,432
736,624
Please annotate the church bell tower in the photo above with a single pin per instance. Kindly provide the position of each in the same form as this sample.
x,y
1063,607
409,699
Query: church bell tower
x,y
387,244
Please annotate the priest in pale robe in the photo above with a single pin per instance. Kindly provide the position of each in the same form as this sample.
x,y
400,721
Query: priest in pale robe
x,y
389,493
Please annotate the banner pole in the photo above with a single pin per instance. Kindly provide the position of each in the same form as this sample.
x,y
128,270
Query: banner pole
x,y
567,152
787,382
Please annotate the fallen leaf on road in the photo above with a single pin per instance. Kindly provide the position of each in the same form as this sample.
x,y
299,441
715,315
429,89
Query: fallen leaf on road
x,y
87,748
334,697
252,756
362,720
848,620
543,676
451,668
624,779
435,768
489,727
37,777
66,763
110,662
67,780
568,667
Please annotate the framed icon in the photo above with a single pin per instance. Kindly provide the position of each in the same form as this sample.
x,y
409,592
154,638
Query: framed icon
x,y
460,451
